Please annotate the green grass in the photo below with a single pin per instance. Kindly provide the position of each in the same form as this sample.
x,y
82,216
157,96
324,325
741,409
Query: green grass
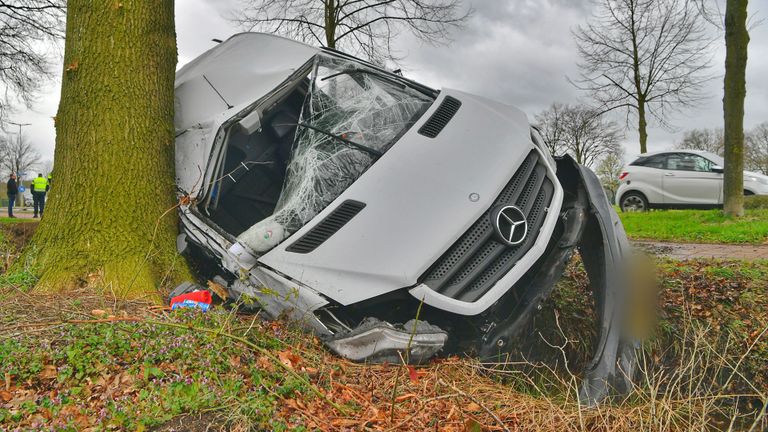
x,y
7,220
157,372
697,226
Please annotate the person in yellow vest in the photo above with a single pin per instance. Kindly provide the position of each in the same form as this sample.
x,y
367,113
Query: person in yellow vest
x,y
39,188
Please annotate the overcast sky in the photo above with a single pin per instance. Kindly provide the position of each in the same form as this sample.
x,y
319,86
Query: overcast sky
x,y
516,51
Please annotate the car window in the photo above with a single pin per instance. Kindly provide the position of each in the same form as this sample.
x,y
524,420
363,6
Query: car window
x,y
655,161
688,162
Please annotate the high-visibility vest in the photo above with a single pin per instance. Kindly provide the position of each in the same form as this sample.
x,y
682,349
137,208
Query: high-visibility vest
x,y
39,184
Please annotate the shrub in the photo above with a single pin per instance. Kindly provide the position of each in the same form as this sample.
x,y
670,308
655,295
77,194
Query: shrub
x,y
756,202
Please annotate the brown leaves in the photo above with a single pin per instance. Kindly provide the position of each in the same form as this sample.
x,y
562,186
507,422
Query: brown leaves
x,y
48,372
413,374
289,359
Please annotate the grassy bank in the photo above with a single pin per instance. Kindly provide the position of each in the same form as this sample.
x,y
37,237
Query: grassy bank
x,y
697,226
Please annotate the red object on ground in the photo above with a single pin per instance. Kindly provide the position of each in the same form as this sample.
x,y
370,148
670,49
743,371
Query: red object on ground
x,y
202,296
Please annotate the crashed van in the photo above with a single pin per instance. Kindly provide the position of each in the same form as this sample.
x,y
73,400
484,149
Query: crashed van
x,y
386,216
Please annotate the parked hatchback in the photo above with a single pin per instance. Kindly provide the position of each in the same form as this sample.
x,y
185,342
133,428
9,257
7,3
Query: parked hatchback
x,y
679,179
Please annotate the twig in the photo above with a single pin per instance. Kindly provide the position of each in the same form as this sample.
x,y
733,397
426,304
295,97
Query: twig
x,y
473,399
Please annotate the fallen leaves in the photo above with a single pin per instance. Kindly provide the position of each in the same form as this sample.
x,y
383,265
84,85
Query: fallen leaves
x,y
289,359
48,372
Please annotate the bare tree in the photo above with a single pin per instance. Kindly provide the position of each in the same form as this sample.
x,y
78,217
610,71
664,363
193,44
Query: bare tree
x,y
735,90
710,140
579,131
648,57
361,27
551,125
757,149
25,27
17,155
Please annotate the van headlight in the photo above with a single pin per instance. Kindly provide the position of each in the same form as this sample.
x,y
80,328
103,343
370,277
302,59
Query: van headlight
x,y
761,180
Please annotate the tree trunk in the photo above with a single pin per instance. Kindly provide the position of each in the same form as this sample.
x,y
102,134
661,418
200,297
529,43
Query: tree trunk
x,y
110,220
735,89
642,126
330,24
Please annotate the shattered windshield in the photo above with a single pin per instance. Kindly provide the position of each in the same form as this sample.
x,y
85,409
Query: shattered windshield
x,y
352,115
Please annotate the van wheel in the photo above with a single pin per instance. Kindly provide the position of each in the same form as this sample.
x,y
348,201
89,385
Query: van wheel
x,y
634,202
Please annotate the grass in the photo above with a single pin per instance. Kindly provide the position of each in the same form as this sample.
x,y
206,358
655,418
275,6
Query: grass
x,y
7,220
697,226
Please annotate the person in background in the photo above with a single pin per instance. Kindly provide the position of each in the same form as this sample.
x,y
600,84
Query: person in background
x,y
12,190
39,188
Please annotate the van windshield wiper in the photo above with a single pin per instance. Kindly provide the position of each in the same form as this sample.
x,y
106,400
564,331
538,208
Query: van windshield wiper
x,y
357,146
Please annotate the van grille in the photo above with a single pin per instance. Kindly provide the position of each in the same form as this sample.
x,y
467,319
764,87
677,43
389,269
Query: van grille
x,y
478,260
326,227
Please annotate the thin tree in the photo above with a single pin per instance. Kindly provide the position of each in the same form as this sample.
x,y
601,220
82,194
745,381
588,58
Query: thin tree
x,y
735,90
362,27
110,216
579,131
647,57
26,28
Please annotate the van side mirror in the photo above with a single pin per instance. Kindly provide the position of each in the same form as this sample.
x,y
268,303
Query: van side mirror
x,y
716,169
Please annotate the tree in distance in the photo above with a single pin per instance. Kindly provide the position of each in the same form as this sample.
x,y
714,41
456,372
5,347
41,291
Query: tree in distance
x,y
646,57
580,131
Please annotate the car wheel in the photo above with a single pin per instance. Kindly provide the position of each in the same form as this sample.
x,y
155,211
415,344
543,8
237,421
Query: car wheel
x,y
634,202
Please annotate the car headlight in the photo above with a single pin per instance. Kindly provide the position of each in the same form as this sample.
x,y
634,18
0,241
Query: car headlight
x,y
761,180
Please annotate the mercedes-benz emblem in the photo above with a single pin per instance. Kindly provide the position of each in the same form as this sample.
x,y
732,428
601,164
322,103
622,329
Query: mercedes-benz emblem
x,y
511,225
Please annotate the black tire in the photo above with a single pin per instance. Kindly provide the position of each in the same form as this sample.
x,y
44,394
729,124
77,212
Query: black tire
x,y
633,202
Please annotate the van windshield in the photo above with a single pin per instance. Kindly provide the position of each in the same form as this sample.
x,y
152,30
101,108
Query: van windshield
x,y
359,104
351,115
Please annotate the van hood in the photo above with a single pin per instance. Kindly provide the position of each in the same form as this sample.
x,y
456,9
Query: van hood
x,y
419,198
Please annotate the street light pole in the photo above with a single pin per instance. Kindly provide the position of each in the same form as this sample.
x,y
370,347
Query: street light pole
x,y
20,125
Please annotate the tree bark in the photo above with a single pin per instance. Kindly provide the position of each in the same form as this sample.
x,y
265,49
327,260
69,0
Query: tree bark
x,y
110,220
735,90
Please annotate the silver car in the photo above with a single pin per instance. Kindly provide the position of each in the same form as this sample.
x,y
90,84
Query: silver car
x,y
679,179
385,215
